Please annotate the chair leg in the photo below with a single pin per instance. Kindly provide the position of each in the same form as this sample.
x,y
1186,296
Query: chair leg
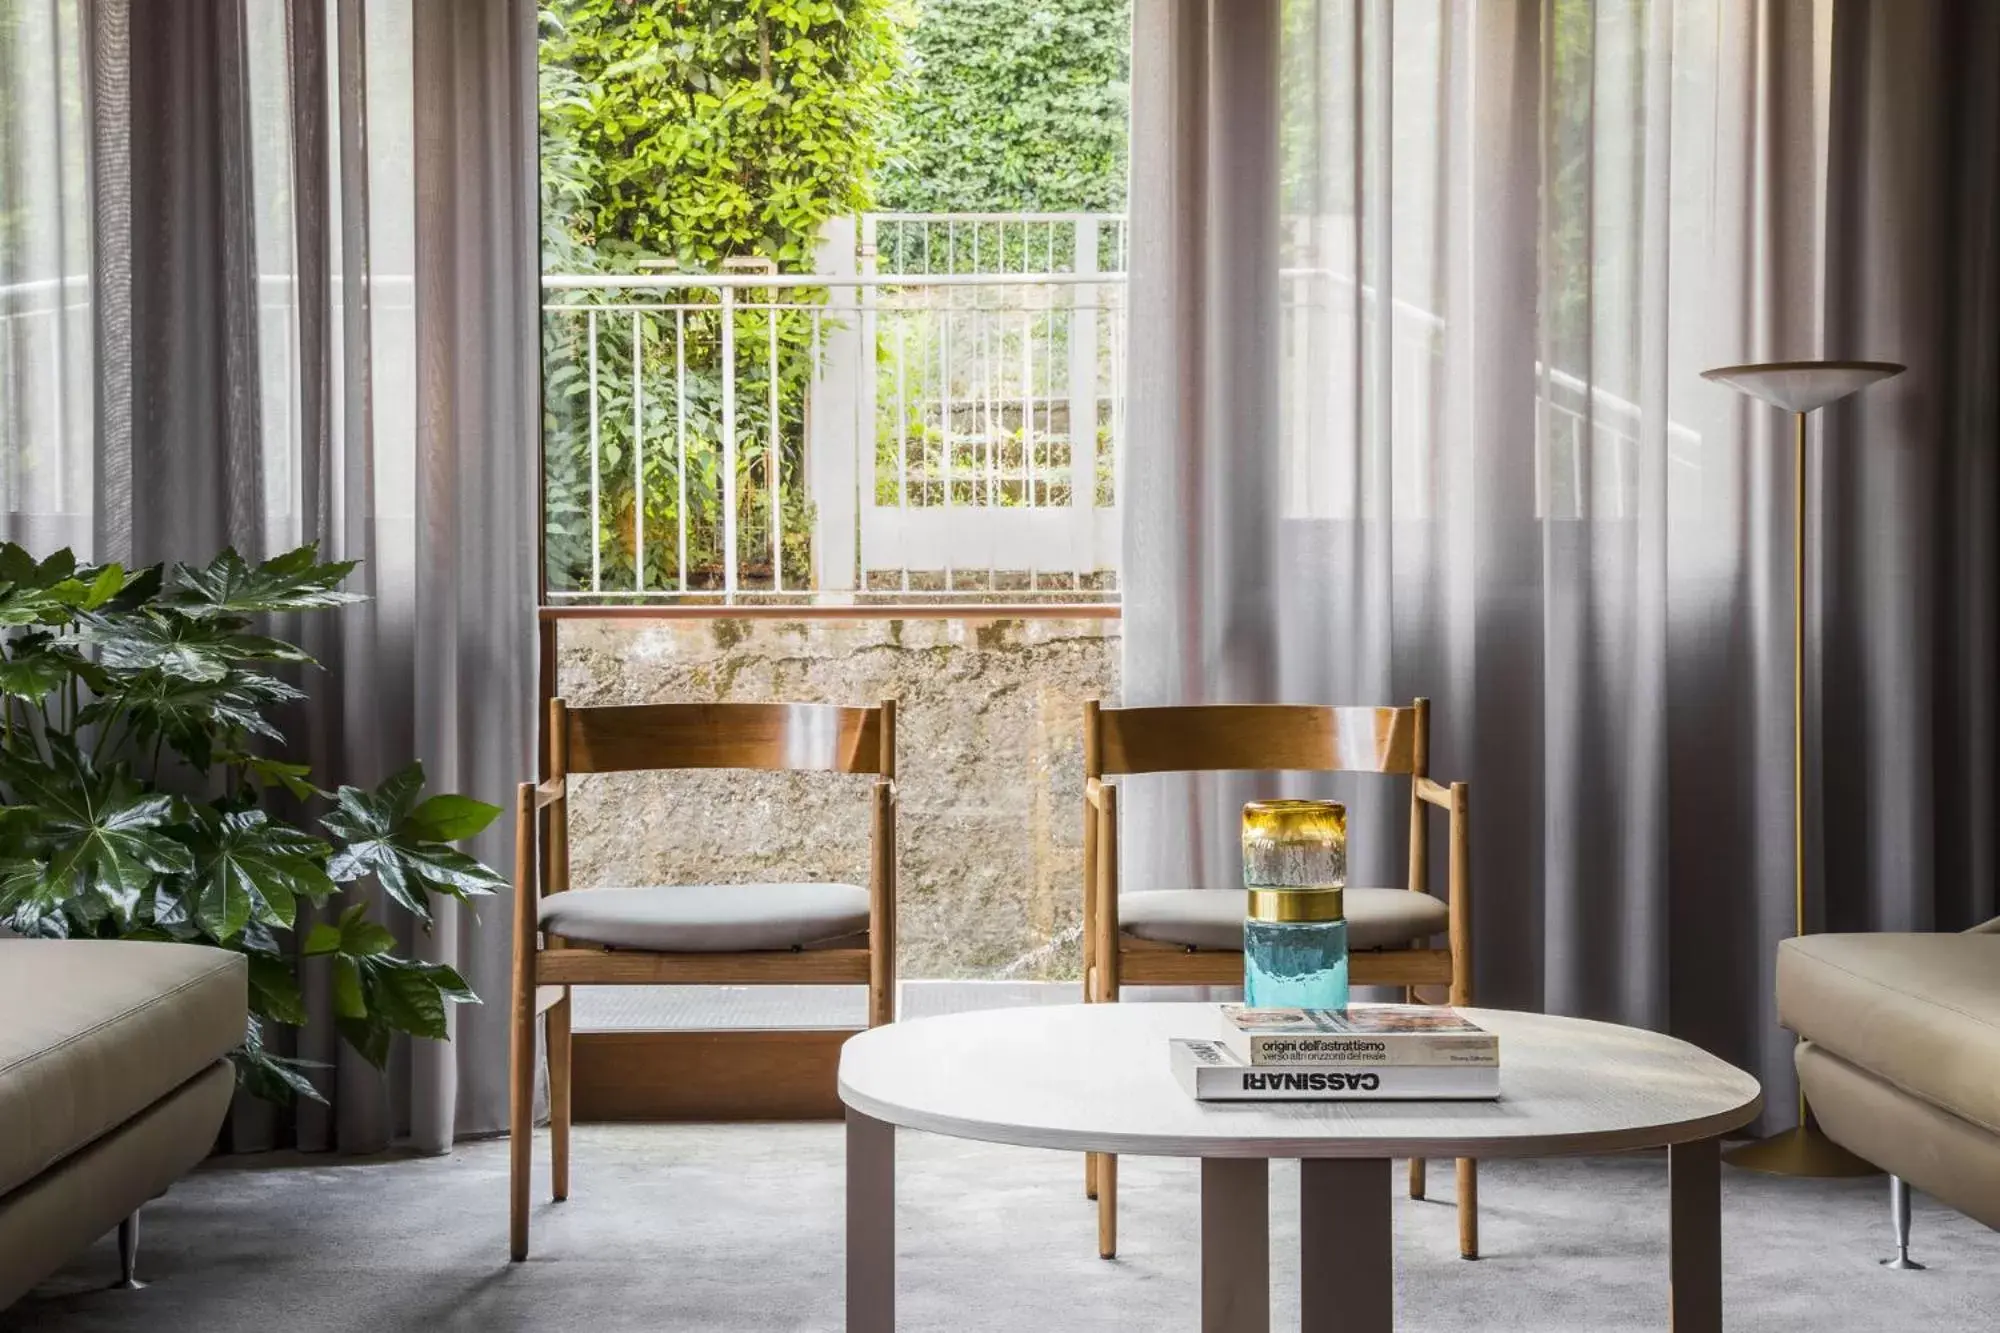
x,y
1107,1205
520,1126
1899,1216
1468,1208
1416,1177
559,1104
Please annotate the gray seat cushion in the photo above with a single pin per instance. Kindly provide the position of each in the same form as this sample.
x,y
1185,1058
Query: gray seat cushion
x,y
1213,918
92,1032
709,918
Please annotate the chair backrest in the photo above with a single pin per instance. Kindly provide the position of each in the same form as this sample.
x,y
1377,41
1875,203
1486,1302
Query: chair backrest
x,y
624,738
1194,738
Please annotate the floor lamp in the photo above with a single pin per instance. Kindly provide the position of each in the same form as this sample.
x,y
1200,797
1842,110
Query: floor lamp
x,y
1800,387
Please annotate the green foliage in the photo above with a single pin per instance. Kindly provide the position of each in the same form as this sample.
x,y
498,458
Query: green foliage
x,y
122,695
696,131
703,129
1011,105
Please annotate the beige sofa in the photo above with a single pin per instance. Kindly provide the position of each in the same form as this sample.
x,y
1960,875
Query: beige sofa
x,y
112,1085
1901,1057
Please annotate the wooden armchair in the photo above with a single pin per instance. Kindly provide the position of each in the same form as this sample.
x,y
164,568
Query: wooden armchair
x,y
1194,937
704,934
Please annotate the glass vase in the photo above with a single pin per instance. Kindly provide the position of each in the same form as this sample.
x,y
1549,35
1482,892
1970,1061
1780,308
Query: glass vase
x,y
1294,928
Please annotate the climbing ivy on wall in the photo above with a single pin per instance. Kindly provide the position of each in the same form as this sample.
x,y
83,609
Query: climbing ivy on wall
x,y
1007,105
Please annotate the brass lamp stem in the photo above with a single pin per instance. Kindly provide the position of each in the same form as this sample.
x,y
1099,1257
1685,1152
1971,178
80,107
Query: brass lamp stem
x,y
1799,696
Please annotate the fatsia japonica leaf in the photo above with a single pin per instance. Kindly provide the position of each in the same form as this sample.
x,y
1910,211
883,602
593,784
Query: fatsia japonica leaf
x,y
381,839
34,676
182,646
268,772
378,996
52,591
231,586
248,868
352,934
275,1078
30,900
193,715
101,832
274,991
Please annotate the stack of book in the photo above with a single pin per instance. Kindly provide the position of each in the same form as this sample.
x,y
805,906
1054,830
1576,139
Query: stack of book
x,y
1373,1052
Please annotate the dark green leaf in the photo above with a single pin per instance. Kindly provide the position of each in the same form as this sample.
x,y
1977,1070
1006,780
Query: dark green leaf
x,y
249,867
231,586
33,677
323,938
274,990
348,1001
370,1036
448,818
100,830
380,841
274,1078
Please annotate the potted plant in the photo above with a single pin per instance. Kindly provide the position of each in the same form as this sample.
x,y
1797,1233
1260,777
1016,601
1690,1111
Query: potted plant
x,y
146,799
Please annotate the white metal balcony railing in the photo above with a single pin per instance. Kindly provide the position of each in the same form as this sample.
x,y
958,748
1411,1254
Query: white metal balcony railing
x,y
936,413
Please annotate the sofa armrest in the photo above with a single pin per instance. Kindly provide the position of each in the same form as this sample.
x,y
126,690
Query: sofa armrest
x,y
1986,928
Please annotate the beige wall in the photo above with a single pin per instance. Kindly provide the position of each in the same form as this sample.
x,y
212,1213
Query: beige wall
x,y
989,746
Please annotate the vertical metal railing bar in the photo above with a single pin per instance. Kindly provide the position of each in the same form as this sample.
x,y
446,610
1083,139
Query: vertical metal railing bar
x,y
774,471
681,445
903,430
944,403
728,295
638,453
596,521
864,458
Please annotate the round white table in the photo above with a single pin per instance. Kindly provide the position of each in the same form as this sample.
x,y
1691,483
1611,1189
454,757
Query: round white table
x,y
1095,1078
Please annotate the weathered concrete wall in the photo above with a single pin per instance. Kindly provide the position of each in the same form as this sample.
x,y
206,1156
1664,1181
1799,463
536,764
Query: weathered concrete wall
x,y
991,785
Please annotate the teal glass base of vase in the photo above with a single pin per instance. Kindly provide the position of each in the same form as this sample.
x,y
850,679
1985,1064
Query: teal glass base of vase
x,y
1295,964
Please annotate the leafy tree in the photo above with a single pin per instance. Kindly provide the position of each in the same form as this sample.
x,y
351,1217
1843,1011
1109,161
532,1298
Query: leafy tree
x,y
696,132
705,129
124,695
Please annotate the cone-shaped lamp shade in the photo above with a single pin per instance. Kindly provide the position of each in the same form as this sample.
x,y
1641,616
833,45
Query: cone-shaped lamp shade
x,y
1802,386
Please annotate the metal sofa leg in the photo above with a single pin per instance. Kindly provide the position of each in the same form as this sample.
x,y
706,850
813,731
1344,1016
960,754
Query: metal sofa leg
x,y
1899,1214
128,1254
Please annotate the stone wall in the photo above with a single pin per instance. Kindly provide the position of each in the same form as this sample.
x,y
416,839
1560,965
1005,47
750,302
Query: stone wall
x,y
990,753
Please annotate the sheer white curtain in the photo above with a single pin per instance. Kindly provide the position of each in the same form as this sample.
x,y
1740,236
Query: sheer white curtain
x,y
268,276
1420,294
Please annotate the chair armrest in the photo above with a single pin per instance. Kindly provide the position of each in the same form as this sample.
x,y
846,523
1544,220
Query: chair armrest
x,y
1434,793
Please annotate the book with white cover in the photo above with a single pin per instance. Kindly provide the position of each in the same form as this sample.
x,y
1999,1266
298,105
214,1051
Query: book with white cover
x,y
1364,1034
1211,1072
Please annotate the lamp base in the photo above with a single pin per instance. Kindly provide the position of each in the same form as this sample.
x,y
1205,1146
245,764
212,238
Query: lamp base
x,y
1803,1151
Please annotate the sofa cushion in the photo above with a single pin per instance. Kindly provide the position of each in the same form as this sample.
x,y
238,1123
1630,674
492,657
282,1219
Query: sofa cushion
x,y
709,918
1213,918
1921,1012
92,1032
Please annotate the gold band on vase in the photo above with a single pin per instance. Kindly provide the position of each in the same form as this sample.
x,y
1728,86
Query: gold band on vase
x,y
1296,905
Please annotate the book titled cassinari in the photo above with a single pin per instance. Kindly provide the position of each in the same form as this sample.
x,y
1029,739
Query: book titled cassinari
x,y
1211,1072
1375,1035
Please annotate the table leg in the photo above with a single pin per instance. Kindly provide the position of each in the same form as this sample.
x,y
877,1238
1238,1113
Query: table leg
x,y
1347,1272
1694,1187
871,1224
1235,1245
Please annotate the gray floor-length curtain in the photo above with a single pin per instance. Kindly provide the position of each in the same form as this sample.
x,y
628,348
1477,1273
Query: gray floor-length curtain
x,y
309,294
1465,452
